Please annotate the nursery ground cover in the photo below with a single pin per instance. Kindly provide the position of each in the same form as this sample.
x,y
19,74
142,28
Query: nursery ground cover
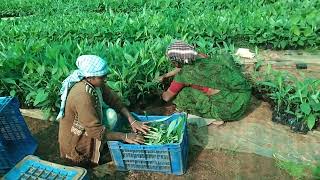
x,y
203,163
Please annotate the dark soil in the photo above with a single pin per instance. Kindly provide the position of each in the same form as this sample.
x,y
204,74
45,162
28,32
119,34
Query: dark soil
x,y
203,164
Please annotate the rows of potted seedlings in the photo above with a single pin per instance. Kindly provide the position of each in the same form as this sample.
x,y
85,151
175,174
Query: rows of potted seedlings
x,y
295,101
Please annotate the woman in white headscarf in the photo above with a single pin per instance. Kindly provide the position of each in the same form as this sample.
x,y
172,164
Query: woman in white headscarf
x,y
81,131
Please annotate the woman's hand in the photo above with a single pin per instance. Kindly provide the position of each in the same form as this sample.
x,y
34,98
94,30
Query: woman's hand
x,y
160,78
202,55
212,91
133,138
169,74
135,125
138,126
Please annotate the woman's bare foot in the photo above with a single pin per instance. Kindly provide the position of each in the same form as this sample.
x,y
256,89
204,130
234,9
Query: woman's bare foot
x,y
217,123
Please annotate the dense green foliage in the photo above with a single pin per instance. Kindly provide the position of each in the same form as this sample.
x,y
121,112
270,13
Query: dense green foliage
x,y
281,24
39,50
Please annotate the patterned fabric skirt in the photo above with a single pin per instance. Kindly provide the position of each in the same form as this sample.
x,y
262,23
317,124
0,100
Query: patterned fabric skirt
x,y
219,72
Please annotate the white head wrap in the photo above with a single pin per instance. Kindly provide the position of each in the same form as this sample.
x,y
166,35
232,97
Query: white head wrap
x,y
88,66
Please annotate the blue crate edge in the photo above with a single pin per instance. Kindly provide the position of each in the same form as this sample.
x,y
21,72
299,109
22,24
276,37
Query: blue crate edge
x,y
36,162
6,100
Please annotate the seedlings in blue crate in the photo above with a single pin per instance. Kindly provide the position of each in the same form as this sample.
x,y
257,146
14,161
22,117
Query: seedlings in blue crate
x,y
161,133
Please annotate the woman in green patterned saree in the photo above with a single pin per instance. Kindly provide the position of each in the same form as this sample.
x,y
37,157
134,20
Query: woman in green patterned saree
x,y
210,87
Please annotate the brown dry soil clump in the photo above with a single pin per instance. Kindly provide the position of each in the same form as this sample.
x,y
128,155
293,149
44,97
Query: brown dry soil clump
x,y
202,164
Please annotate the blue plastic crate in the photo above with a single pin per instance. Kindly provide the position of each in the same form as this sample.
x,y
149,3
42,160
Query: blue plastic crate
x,y
16,140
167,158
31,167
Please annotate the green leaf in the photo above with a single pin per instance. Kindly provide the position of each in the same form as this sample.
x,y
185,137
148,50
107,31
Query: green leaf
x,y
283,43
114,85
41,97
311,121
305,108
129,58
179,128
300,42
9,81
308,31
145,61
315,97
13,93
294,39
316,107
171,127
295,19
296,30
41,70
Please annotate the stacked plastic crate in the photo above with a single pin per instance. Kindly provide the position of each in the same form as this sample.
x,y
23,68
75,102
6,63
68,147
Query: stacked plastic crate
x,y
16,140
